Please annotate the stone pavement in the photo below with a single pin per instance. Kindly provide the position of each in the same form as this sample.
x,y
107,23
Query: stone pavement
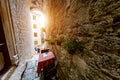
x,y
30,72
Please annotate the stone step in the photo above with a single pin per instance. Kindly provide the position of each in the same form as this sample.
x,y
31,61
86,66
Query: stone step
x,y
18,72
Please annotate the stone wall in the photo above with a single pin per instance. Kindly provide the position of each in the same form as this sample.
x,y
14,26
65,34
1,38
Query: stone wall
x,y
21,17
95,26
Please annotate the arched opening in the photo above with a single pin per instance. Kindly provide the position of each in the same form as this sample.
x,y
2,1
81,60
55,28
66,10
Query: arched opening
x,y
39,22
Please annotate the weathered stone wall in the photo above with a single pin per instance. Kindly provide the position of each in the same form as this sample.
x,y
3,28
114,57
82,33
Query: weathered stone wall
x,y
95,25
20,12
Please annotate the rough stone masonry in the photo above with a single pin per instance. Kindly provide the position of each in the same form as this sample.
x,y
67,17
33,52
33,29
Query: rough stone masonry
x,y
95,26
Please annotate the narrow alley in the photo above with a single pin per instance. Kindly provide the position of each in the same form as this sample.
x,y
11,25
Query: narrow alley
x,y
29,71
59,39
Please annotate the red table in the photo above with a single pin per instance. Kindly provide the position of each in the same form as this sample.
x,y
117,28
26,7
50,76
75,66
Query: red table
x,y
45,59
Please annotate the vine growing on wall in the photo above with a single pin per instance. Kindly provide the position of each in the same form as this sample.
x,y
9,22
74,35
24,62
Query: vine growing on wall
x,y
55,40
72,46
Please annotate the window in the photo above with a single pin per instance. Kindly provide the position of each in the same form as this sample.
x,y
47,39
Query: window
x,y
35,34
34,17
35,42
34,26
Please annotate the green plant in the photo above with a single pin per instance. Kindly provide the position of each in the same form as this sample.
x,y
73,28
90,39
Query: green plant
x,y
59,41
51,41
55,40
71,46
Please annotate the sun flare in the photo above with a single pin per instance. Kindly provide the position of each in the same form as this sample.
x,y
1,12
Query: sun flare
x,y
39,23
38,18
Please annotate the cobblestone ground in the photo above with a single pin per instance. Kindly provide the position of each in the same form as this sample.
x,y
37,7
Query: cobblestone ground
x,y
30,72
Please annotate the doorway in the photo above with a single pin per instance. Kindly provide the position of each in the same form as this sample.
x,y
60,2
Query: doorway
x,y
4,54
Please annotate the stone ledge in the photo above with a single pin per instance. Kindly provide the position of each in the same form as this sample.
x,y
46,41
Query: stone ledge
x,y
8,73
18,72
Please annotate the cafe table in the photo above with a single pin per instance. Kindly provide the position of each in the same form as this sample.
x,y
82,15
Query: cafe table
x,y
45,59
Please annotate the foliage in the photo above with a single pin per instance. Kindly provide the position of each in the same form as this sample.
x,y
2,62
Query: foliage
x,y
59,40
43,29
55,40
71,46
51,41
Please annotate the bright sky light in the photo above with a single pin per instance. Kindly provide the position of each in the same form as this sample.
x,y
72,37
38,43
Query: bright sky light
x,y
40,18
